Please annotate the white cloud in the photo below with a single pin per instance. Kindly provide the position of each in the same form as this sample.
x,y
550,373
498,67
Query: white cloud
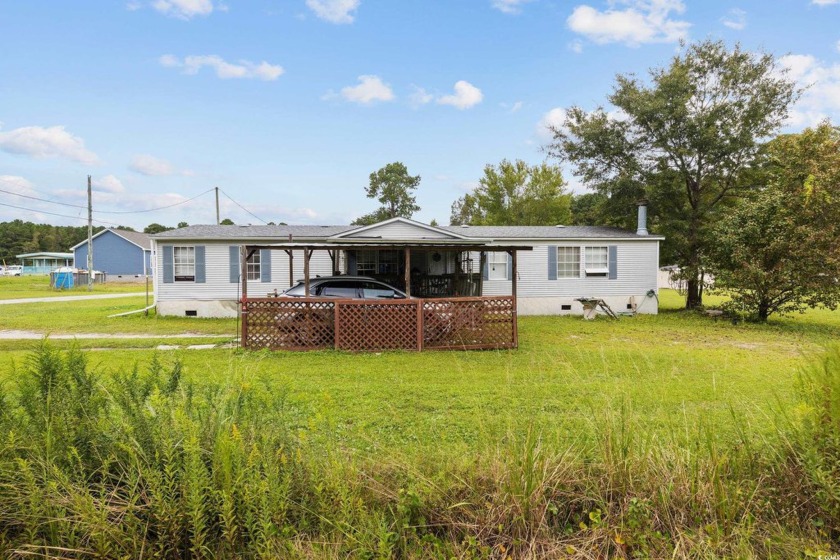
x,y
821,99
466,95
509,6
837,46
109,184
152,166
16,184
40,142
334,11
642,21
555,118
369,90
576,46
735,19
244,69
825,2
183,9
419,97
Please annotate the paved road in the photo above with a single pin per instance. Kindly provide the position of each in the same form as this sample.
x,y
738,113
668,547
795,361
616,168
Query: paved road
x,y
69,298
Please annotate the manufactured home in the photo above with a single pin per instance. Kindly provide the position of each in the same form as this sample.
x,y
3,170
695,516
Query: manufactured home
x,y
198,269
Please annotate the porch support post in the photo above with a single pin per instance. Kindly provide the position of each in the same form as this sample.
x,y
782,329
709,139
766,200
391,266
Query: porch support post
x,y
306,254
513,273
513,293
407,251
243,303
291,254
482,260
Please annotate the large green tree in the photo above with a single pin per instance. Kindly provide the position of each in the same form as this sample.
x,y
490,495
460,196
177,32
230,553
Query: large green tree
x,y
687,140
515,193
779,251
394,188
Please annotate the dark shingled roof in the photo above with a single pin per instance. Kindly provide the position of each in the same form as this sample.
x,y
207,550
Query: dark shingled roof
x,y
255,232
137,237
301,233
544,232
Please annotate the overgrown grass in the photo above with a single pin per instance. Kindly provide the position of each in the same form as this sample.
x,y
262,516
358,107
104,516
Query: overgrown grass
x,y
15,287
150,461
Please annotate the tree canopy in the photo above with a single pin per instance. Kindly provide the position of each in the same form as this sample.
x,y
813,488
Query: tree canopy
x,y
779,251
155,227
394,188
18,237
688,141
515,193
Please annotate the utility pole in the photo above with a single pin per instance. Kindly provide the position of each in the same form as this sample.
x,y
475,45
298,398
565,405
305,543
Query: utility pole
x,y
90,238
217,206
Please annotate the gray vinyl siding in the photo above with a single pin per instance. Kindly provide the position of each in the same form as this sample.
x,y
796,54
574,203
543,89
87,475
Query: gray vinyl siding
x,y
636,266
217,285
399,230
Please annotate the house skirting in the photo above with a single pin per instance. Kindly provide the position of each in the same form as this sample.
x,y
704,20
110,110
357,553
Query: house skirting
x,y
525,306
569,306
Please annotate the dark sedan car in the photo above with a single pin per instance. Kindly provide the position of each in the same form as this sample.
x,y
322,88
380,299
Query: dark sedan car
x,y
350,287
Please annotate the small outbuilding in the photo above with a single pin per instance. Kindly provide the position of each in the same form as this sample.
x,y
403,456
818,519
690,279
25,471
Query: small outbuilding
x,y
120,253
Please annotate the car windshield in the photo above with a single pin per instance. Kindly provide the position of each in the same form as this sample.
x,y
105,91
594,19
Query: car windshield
x,y
299,290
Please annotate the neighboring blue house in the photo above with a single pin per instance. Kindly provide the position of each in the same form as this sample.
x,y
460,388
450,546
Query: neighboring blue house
x,y
117,252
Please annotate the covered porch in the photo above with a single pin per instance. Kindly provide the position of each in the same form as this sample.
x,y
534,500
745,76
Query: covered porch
x,y
444,308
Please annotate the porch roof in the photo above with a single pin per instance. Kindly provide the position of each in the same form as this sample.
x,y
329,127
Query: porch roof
x,y
373,245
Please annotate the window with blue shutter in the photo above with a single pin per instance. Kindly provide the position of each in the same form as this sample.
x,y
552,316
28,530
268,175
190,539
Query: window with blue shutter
x,y
265,265
552,262
233,263
613,264
168,272
200,268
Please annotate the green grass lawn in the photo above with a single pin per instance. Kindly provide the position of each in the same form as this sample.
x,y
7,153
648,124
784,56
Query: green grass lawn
x,y
673,373
668,434
14,287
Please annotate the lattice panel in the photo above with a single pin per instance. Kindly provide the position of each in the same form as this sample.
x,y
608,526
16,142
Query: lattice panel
x,y
372,326
286,323
469,323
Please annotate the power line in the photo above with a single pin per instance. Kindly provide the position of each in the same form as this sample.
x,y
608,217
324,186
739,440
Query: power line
x,y
54,214
43,199
69,205
245,209
152,209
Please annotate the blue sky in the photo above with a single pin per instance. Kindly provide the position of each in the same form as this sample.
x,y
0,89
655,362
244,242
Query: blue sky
x,y
289,105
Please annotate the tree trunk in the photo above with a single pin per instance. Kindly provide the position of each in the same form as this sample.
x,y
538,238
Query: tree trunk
x,y
693,293
763,310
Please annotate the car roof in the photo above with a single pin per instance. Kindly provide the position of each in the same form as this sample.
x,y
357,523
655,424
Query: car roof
x,y
342,277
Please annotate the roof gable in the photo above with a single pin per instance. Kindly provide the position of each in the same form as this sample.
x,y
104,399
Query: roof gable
x,y
142,240
398,229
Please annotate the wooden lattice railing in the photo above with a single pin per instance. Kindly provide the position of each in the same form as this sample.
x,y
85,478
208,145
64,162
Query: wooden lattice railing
x,y
371,325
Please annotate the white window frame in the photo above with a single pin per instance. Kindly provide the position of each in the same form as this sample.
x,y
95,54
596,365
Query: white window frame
x,y
566,267
377,263
597,264
366,263
497,265
253,266
183,263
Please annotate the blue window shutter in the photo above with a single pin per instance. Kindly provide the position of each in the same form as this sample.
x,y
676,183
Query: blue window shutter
x,y
351,262
200,268
509,267
265,265
613,251
234,264
485,270
168,264
552,262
